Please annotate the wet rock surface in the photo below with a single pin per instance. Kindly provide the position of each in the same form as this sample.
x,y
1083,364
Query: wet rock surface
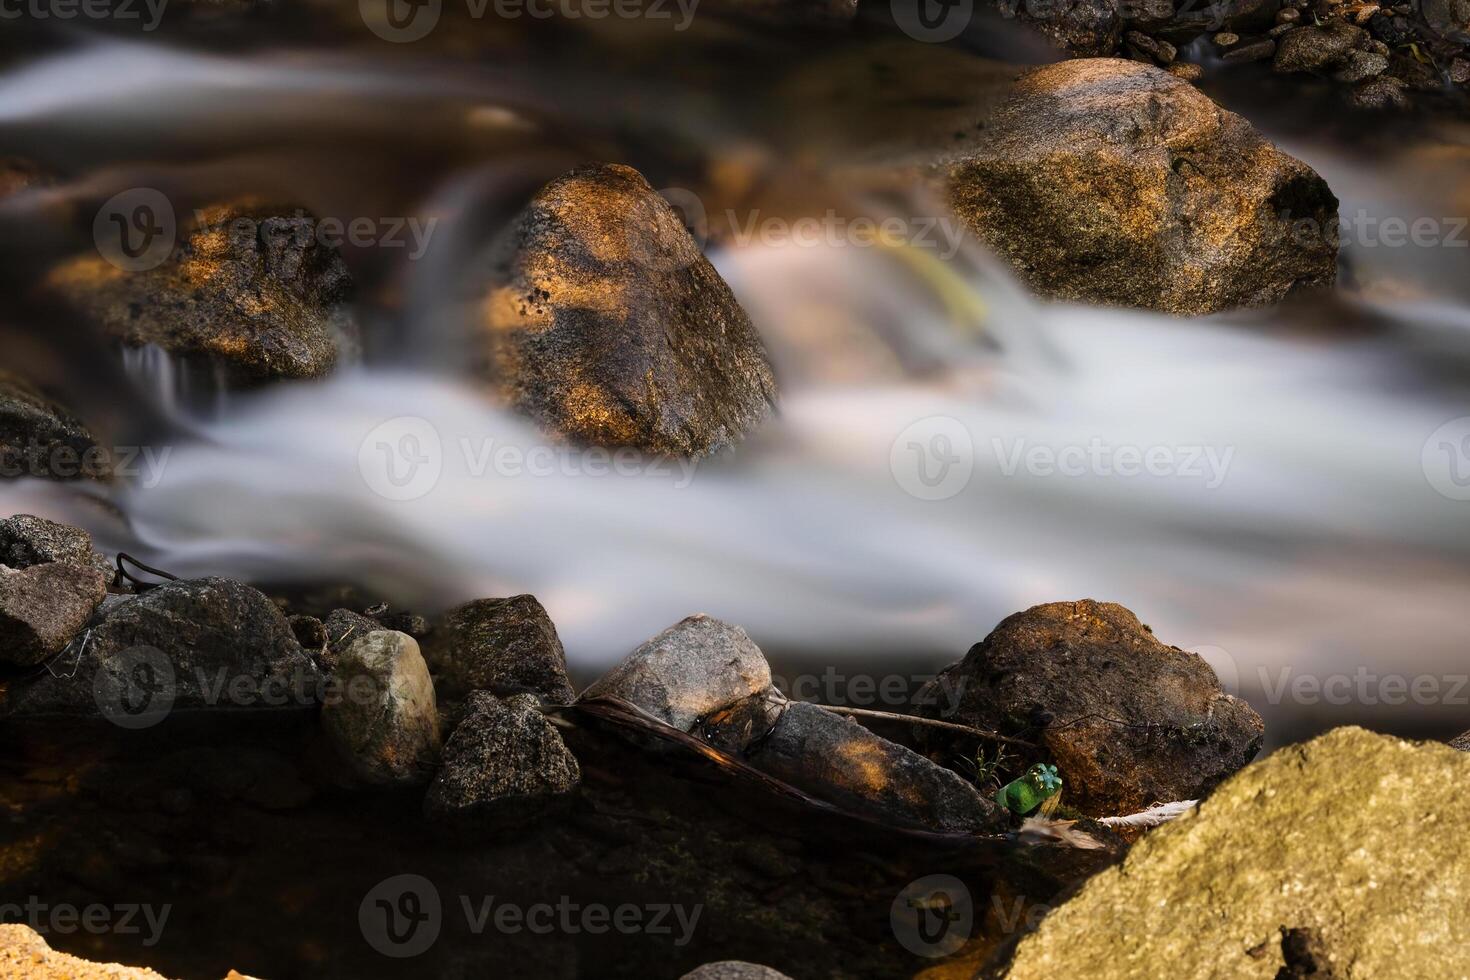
x,y
40,438
1128,720
1109,181
248,289
27,540
1330,853
505,766
382,714
840,761
42,607
695,667
505,646
190,645
606,324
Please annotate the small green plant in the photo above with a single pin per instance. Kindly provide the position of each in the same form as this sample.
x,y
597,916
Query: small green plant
x,y
984,769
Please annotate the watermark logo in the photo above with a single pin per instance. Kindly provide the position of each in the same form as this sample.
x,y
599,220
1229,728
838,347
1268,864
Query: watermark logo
x,y
1446,459
401,916
932,21
135,688
401,21
933,916
934,458
135,230
402,458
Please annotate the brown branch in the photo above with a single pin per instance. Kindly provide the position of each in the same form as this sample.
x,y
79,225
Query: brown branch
x,y
930,723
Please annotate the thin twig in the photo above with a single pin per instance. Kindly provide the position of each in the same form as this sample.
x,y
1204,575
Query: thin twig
x,y
124,573
928,722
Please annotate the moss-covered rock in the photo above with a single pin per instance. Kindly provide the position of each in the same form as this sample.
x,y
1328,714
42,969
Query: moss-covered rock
x,y
1341,855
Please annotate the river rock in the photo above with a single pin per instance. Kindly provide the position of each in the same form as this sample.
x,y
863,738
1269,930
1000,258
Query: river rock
x,y
1461,742
186,646
505,766
1082,28
695,667
344,628
1127,720
839,761
249,288
381,714
1114,182
606,323
27,540
1342,855
42,607
734,970
1308,49
39,438
505,646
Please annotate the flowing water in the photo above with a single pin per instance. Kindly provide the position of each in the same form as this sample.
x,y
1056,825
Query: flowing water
x,y
1290,523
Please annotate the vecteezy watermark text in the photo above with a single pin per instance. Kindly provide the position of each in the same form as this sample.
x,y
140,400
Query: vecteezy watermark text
x,y
402,916
149,12
1208,464
62,918
405,21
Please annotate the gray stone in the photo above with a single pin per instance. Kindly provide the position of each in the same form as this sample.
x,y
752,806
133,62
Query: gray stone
x,y
381,713
695,667
734,970
839,761
1380,94
605,323
504,646
1113,182
505,766
42,607
185,646
1127,720
249,288
344,628
26,540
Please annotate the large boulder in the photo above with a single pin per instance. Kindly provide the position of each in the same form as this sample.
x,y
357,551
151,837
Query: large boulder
x,y
186,646
734,970
382,715
839,761
250,288
1128,721
42,607
1113,182
695,667
605,323
27,540
505,646
41,439
1339,857
505,766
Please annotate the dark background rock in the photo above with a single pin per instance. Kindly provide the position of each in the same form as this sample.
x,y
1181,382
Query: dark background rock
x,y
38,437
606,323
344,628
505,766
209,632
27,540
1127,720
42,607
265,299
1109,181
505,646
